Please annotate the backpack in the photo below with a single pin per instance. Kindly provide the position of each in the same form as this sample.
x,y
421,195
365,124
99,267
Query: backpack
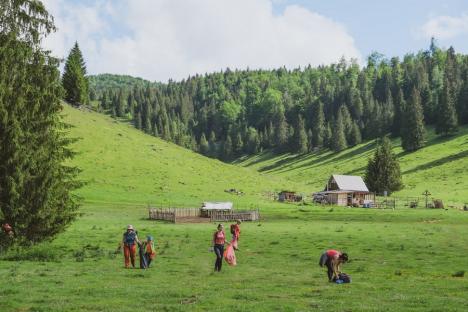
x,y
129,238
233,229
345,278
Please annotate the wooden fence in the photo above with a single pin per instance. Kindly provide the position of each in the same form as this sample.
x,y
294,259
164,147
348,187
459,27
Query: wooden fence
x,y
172,214
224,216
162,214
179,214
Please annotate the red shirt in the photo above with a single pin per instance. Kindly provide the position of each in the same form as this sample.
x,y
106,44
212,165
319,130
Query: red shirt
x,y
219,238
333,253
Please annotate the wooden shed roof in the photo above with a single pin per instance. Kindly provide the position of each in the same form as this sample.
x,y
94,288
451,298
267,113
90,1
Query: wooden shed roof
x,y
350,183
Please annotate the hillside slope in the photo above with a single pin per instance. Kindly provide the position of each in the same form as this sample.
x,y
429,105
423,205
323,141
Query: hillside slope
x,y
441,167
123,165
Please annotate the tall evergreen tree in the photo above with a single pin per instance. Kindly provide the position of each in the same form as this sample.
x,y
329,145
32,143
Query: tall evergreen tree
x,y
204,146
253,143
227,148
318,125
400,107
213,145
447,121
238,144
355,137
413,131
300,137
338,134
35,183
281,133
383,170
74,79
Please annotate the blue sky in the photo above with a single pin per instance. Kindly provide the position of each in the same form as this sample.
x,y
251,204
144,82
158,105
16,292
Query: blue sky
x,y
172,39
389,27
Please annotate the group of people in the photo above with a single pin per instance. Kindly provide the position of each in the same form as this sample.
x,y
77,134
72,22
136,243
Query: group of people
x,y
331,259
146,248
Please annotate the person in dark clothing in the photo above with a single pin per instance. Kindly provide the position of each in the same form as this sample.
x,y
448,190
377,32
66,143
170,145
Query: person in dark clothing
x,y
219,239
333,259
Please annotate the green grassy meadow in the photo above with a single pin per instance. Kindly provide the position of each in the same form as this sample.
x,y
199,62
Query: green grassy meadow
x,y
441,167
402,260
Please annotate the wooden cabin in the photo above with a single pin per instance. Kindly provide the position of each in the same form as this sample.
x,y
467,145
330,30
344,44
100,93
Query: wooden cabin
x,y
289,196
344,190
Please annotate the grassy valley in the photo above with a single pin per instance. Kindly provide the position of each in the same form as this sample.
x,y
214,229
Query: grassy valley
x,y
408,259
441,167
123,165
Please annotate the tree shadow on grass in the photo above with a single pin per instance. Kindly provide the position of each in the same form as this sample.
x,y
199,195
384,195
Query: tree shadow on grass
x,y
438,162
350,154
264,156
294,159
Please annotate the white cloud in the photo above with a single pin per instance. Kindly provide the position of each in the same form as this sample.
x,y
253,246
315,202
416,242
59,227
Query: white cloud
x,y
162,39
445,27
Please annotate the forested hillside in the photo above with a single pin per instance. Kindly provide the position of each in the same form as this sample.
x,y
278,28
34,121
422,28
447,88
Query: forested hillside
x,y
230,113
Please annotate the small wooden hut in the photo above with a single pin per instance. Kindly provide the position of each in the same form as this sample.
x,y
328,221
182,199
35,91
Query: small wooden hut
x,y
289,196
208,208
344,190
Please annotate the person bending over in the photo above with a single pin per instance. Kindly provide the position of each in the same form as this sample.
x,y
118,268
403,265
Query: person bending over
x,y
333,259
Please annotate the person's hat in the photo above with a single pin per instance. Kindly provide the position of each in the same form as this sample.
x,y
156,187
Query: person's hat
x,y
149,237
130,227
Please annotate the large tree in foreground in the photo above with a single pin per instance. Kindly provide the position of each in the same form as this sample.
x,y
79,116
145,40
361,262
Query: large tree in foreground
x,y
383,170
35,184
74,78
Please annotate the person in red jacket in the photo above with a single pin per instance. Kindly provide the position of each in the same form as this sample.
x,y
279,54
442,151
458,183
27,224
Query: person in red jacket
x,y
333,259
219,239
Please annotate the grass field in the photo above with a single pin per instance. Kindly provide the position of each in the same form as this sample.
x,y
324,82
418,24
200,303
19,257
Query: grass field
x,y
441,167
402,260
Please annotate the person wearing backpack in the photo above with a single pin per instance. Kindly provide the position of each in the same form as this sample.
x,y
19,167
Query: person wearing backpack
x,y
235,231
129,241
333,259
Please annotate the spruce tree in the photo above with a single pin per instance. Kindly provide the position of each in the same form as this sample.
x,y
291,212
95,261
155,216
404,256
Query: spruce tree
x,y
74,79
204,146
281,133
318,125
383,170
400,107
227,148
300,137
447,121
413,132
35,184
238,144
327,136
310,138
355,137
213,145
338,134
253,143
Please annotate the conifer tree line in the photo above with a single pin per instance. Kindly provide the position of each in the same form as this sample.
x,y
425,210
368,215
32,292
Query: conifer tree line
x,y
231,113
